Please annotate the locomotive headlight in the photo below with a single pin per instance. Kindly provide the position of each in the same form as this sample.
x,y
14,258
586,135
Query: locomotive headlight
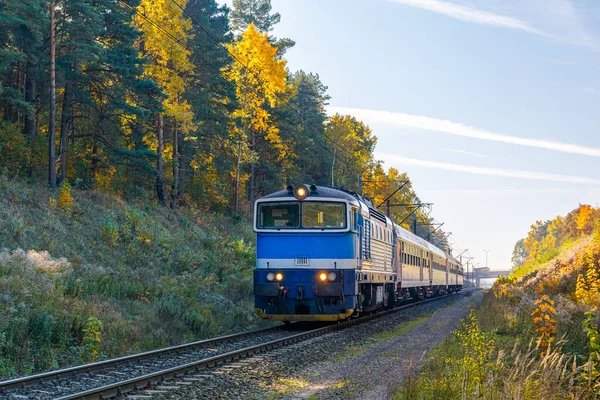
x,y
279,276
300,192
270,276
331,276
323,276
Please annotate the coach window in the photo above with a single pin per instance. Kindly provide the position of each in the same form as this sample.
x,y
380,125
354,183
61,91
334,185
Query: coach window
x,y
279,215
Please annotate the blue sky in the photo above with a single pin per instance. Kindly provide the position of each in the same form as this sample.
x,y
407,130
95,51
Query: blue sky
x,y
491,107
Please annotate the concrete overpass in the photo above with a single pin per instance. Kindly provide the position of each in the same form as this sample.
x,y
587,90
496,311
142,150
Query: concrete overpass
x,y
482,273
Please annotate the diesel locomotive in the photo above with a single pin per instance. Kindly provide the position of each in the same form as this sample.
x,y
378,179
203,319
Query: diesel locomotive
x,y
327,254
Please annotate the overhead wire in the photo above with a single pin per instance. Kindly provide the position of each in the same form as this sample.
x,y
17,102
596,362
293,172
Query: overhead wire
x,y
253,74
205,62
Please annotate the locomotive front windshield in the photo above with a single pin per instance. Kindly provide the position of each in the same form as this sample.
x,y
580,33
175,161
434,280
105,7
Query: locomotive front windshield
x,y
307,215
279,215
323,215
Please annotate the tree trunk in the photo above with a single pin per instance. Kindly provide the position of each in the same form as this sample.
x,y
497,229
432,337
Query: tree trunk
x,y
52,127
175,184
252,170
333,166
183,166
65,124
94,158
30,98
160,177
237,177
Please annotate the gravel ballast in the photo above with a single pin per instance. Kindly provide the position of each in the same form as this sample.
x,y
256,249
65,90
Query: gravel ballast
x,y
365,361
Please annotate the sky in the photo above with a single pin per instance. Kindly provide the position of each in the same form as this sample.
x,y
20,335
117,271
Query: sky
x,y
490,106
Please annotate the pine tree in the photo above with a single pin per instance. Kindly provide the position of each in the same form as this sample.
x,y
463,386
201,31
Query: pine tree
x,y
255,12
167,65
207,151
258,13
303,125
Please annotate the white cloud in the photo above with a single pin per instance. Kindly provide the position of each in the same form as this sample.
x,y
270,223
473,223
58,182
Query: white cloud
x,y
458,129
588,90
468,153
555,19
472,15
398,161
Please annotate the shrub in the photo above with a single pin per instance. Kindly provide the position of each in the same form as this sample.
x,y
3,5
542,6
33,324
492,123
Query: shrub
x,y
65,198
92,339
15,154
543,321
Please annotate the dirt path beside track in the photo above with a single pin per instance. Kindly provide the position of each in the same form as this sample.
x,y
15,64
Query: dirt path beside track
x,y
374,368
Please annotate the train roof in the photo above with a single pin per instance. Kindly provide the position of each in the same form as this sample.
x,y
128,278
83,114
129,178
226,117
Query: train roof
x,y
321,192
451,258
411,237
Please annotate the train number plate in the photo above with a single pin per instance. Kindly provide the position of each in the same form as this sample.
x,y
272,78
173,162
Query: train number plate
x,y
302,261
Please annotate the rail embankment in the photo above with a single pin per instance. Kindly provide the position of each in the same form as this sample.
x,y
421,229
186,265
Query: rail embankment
x,y
86,276
535,335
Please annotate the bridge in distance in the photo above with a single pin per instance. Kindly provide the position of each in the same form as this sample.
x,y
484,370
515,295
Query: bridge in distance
x,y
485,273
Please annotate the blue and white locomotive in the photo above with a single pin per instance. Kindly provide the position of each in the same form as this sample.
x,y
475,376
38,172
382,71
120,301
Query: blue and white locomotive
x,y
326,254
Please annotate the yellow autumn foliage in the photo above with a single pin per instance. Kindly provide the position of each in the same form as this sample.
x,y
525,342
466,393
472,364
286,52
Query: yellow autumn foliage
x,y
588,287
260,78
169,63
544,322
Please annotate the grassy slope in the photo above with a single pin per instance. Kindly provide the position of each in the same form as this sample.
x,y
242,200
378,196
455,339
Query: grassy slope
x,y
514,368
151,276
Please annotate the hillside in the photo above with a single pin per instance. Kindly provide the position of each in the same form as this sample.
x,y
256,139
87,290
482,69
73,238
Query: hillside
x,y
85,275
536,333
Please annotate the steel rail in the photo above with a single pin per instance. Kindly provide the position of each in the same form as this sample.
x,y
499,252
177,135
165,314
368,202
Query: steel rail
x,y
141,382
115,362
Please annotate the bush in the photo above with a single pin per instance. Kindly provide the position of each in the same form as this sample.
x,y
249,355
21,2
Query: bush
x,y
15,154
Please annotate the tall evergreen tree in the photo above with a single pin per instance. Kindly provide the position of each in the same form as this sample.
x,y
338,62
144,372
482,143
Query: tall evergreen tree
x,y
303,124
258,13
169,61
206,152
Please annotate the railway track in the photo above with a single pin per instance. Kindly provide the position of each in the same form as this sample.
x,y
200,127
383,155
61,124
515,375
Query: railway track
x,y
110,378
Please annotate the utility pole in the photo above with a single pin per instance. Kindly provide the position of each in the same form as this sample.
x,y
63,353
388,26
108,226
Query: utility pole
x,y
486,257
469,259
333,165
52,127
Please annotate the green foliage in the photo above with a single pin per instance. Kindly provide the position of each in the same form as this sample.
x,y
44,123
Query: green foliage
x,y
15,154
464,364
257,12
590,326
92,338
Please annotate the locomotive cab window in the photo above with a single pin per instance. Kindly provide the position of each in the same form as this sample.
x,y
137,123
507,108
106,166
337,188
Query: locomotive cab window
x,y
279,215
323,215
